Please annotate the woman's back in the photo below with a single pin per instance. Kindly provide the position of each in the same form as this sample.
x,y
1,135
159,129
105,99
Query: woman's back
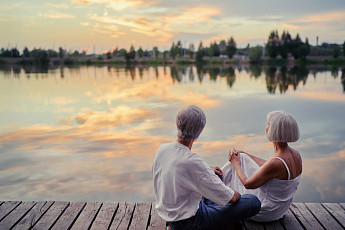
x,y
275,196
292,163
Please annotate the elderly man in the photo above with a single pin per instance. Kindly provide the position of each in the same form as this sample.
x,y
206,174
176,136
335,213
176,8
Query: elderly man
x,y
188,192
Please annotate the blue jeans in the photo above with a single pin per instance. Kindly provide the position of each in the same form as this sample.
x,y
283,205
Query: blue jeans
x,y
213,216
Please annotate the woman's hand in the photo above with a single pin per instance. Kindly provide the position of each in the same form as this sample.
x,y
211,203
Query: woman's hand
x,y
217,170
234,156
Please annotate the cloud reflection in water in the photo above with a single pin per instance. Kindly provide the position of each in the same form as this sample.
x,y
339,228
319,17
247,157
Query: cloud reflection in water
x,y
98,140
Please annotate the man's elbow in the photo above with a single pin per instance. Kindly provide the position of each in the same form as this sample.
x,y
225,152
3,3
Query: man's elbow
x,y
235,197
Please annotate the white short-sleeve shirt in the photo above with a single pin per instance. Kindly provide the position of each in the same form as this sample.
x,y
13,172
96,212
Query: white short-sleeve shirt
x,y
180,179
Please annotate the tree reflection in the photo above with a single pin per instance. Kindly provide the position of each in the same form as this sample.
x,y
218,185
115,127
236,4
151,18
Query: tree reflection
x,y
334,72
343,79
213,72
255,71
284,77
175,74
230,76
277,78
131,70
200,72
191,74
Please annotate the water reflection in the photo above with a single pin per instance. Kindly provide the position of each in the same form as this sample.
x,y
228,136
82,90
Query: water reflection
x,y
278,79
91,133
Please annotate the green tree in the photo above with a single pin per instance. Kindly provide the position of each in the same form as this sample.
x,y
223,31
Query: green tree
x,y
231,47
116,52
216,49
140,52
109,55
211,51
131,52
191,51
26,52
222,47
155,51
335,52
344,49
122,53
15,53
200,53
255,54
165,54
297,47
173,50
179,49
304,49
272,46
62,53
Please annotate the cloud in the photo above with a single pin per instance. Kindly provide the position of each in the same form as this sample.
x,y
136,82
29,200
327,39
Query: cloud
x,y
118,4
143,92
324,17
56,15
290,26
121,115
58,5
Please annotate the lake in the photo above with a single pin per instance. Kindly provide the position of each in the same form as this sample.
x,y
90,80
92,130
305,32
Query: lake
x,y
91,133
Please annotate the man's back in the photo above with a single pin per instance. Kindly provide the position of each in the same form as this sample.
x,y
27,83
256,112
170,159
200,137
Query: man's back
x,y
181,178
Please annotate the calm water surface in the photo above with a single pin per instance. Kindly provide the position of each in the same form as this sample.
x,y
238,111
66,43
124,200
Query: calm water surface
x,y
91,133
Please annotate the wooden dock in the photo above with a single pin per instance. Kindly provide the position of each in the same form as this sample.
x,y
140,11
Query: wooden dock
x,y
142,215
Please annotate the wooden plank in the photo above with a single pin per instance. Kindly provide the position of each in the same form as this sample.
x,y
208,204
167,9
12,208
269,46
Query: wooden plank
x,y
251,225
326,220
69,215
342,205
156,222
1,202
123,216
87,216
50,217
33,215
289,221
305,217
274,225
7,207
11,219
336,211
141,216
105,216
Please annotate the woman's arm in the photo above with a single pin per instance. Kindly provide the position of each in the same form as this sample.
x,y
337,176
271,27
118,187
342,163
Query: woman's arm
x,y
258,160
265,173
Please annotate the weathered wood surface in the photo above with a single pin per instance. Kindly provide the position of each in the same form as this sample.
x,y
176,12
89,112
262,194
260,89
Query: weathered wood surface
x,y
143,215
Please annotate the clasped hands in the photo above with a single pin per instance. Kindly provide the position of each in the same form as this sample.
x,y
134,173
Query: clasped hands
x,y
234,158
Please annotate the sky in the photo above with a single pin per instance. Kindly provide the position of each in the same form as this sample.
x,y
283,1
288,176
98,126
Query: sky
x,y
100,25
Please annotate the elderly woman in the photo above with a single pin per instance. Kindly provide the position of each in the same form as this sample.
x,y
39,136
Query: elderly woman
x,y
274,181
188,193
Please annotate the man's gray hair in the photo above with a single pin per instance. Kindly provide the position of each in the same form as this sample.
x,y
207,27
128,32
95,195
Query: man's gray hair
x,y
190,122
282,127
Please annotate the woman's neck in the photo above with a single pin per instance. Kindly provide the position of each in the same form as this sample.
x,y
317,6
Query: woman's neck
x,y
280,148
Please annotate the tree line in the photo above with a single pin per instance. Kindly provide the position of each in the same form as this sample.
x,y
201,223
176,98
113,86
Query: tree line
x,y
283,46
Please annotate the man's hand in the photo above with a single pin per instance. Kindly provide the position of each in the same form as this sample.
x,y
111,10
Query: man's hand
x,y
235,197
217,170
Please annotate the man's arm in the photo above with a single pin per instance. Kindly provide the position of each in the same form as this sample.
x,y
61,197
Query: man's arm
x,y
235,197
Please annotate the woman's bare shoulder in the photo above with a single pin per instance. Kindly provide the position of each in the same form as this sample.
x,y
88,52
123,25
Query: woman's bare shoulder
x,y
295,153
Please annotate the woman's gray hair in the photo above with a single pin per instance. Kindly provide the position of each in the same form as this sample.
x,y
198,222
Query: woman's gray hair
x,y
190,122
282,127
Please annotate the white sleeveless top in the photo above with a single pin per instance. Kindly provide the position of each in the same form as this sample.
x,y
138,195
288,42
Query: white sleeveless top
x,y
276,195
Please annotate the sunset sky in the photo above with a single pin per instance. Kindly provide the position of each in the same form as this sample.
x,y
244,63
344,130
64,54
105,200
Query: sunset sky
x,y
105,24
